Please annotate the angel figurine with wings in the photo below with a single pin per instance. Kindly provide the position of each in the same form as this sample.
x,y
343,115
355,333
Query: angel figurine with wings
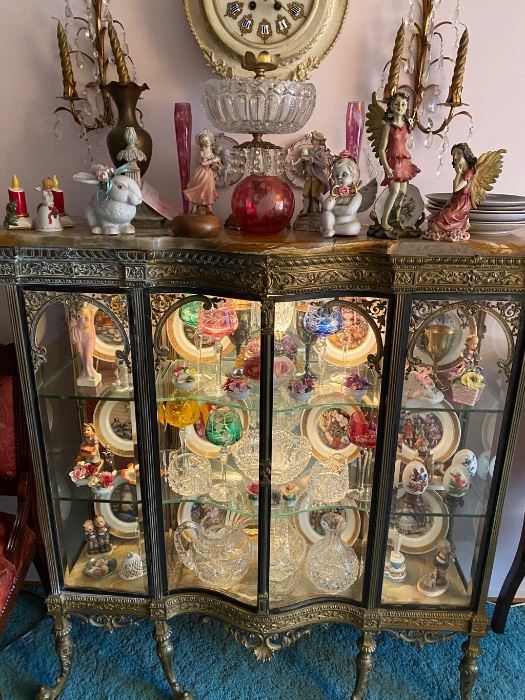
x,y
388,133
474,178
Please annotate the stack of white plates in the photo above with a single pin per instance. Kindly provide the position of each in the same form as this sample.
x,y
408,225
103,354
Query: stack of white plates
x,y
498,214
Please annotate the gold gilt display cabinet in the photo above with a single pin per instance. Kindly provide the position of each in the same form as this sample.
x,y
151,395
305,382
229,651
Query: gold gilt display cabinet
x,y
274,433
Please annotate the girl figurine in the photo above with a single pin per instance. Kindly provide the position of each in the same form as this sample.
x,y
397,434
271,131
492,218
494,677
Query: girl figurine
x,y
201,190
474,177
389,132
344,201
47,217
83,334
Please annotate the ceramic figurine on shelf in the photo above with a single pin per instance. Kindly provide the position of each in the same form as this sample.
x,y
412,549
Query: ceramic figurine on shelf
x,y
123,376
58,199
474,178
102,534
201,192
83,335
314,163
89,451
115,202
395,567
389,132
47,218
340,208
17,216
435,583
90,537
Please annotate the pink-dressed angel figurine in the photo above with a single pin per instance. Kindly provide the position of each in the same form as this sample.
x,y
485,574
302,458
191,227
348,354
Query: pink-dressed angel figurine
x,y
474,178
201,191
83,335
388,132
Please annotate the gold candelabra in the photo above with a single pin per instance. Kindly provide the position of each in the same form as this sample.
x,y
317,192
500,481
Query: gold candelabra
x,y
98,29
420,63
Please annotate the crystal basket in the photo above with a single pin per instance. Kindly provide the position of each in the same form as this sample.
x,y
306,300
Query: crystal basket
x,y
258,106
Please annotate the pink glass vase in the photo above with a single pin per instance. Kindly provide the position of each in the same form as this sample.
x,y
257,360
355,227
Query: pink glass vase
x,y
355,124
182,117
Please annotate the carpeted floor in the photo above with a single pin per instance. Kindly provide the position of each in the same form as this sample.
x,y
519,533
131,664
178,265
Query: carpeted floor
x,y
213,666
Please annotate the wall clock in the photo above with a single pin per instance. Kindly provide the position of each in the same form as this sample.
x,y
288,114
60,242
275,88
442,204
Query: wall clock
x,y
301,32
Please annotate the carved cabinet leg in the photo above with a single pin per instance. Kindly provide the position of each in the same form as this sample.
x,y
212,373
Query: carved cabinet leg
x,y
469,666
165,651
65,648
367,646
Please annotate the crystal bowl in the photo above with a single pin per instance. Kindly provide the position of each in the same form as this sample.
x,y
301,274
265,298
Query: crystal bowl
x,y
258,106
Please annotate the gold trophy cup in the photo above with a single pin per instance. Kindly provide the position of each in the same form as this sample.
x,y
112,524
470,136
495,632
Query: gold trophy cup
x,y
438,342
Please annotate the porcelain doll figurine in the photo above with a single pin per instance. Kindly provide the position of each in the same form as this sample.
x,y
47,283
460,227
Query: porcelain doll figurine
x,y
201,192
388,132
102,534
47,216
83,335
114,205
90,537
344,201
474,178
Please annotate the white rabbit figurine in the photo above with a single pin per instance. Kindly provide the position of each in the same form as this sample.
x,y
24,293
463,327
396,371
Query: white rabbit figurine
x,y
114,205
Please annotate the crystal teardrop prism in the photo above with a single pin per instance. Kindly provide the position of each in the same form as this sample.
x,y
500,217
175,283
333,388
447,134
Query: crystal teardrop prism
x,y
57,129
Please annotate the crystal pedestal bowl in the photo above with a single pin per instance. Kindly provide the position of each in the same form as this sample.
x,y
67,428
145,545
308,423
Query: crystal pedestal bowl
x,y
258,106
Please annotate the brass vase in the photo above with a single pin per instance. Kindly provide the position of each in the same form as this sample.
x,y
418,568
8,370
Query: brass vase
x,y
126,96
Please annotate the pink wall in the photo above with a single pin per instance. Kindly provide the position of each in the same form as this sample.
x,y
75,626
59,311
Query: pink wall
x,y
168,59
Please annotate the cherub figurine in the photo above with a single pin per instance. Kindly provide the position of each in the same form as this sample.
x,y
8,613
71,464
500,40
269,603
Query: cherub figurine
x,y
340,208
201,191
474,178
435,582
388,133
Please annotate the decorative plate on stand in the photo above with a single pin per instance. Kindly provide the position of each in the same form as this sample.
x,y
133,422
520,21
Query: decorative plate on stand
x,y
439,424
328,429
114,426
181,337
420,544
308,522
122,514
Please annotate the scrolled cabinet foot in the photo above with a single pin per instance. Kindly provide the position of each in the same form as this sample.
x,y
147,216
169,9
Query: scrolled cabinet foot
x,y
469,666
165,652
367,646
65,648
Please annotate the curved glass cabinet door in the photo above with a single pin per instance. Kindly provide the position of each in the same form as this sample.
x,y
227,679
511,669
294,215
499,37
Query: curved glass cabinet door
x,y
207,394
327,376
458,366
82,361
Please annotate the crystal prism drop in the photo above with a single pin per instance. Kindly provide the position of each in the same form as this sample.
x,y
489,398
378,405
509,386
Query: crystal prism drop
x,y
87,109
429,139
57,129
79,60
410,141
95,54
87,33
99,102
83,132
441,62
94,71
125,48
68,12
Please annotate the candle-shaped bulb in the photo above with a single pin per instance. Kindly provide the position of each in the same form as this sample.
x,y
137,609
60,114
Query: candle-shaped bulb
x,y
395,64
118,54
65,62
456,86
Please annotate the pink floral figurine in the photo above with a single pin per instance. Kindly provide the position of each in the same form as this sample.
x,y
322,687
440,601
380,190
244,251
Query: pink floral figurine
x,y
237,387
201,191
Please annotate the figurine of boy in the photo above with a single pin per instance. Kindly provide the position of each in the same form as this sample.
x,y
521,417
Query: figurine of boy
x,y
102,534
90,537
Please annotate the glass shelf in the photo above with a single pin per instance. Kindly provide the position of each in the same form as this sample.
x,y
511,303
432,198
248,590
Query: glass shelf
x,y
61,385
252,512
89,497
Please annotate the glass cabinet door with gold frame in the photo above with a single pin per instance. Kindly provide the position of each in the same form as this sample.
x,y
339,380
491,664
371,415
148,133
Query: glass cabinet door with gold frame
x,y
451,442
327,381
207,398
84,386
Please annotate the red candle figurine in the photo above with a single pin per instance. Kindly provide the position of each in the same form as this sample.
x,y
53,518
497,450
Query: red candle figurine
x,y
17,195
58,200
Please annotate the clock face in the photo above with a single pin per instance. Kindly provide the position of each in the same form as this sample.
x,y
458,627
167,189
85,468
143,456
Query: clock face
x,y
302,32
265,22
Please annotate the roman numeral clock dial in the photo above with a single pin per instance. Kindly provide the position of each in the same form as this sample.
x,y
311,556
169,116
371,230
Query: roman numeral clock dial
x,y
270,21
300,31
